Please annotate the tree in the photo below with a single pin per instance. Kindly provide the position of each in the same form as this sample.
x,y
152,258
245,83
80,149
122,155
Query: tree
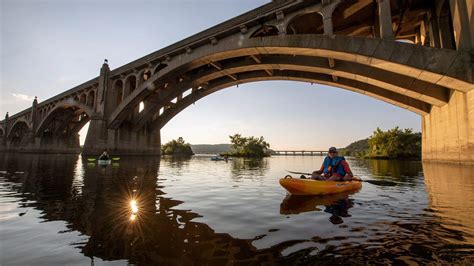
x,y
248,146
395,143
358,148
176,147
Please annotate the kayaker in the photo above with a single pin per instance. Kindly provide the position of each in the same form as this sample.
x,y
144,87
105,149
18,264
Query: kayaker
x,y
104,156
334,168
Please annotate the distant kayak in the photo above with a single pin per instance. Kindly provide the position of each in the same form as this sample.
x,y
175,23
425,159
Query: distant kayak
x,y
104,162
217,158
297,186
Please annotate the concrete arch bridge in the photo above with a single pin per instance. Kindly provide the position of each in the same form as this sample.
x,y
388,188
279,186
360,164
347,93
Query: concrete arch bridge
x,y
415,54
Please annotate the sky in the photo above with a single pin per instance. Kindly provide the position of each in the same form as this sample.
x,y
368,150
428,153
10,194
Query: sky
x,y
49,46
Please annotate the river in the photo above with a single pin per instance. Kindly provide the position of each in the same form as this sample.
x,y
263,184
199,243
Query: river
x,y
63,209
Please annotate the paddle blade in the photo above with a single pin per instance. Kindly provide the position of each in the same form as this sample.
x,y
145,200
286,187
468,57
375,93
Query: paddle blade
x,y
298,173
116,159
380,183
91,159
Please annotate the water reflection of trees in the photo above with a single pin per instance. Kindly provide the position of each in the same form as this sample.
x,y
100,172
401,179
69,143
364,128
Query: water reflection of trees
x,y
399,170
249,167
152,232
176,161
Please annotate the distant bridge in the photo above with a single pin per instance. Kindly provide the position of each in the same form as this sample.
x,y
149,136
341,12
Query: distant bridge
x,y
417,55
300,153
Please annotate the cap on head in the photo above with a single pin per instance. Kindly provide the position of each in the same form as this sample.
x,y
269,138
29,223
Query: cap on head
x,y
332,149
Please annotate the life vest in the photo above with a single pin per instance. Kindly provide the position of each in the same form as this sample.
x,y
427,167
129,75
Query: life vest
x,y
333,166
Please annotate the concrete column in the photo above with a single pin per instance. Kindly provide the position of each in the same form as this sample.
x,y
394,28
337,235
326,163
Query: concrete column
x,y
103,90
5,130
433,28
96,139
97,135
424,35
326,12
385,19
328,28
445,24
448,131
34,112
461,26
470,16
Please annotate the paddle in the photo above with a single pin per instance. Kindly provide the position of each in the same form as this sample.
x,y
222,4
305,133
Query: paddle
x,y
94,159
374,182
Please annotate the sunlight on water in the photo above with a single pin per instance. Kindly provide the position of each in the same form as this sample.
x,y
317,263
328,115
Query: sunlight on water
x,y
133,206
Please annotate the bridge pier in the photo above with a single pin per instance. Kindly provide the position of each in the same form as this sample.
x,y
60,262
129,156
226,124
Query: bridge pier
x,y
448,131
122,141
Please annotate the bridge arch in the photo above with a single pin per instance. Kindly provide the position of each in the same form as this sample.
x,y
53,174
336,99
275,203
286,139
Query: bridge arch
x,y
171,111
158,68
417,72
18,132
83,98
306,23
143,76
130,85
61,125
117,89
91,99
264,31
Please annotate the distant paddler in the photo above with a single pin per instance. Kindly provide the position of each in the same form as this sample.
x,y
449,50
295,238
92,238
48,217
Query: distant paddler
x,y
104,156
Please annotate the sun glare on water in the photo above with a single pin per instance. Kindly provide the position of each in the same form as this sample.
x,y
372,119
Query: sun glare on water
x,y
134,209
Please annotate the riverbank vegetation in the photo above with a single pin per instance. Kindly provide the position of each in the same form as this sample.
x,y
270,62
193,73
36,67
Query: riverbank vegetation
x,y
177,147
211,148
394,143
248,147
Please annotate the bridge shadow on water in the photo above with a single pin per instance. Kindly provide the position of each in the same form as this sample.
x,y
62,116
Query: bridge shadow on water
x,y
125,213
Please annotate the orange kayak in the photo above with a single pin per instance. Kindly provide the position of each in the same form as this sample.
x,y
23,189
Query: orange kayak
x,y
297,186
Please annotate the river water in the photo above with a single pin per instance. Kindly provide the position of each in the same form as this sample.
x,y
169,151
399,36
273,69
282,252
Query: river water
x,y
62,209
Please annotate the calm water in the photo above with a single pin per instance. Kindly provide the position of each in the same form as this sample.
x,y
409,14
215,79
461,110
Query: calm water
x,y
58,209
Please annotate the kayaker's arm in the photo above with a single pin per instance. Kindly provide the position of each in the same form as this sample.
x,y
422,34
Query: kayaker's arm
x,y
320,171
347,169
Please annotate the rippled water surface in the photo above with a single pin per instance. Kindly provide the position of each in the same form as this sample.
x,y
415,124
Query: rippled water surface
x,y
62,209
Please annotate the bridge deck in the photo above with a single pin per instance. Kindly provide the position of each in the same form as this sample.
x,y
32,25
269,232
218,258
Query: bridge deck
x,y
300,153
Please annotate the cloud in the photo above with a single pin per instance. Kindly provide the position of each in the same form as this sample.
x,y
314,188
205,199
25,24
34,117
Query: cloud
x,y
23,97
14,103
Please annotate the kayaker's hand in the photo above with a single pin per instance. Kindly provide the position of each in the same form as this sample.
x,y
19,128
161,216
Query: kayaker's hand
x,y
348,177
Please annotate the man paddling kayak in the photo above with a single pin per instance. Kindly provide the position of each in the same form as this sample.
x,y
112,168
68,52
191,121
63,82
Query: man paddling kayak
x,y
334,168
104,156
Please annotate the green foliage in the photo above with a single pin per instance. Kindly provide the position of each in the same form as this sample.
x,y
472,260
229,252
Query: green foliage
x,y
176,147
248,146
358,148
394,143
